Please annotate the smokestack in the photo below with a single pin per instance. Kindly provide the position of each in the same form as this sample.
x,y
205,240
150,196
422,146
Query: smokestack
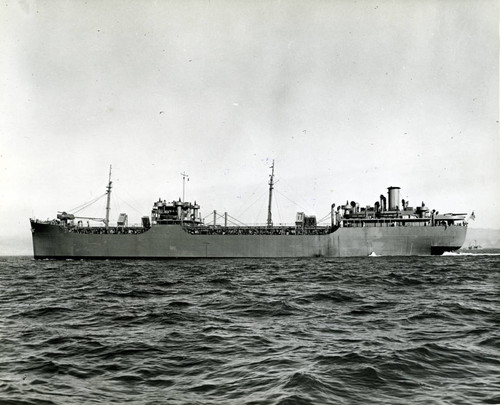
x,y
393,193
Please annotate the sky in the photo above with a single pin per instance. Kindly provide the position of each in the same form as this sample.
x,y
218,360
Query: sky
x,y
347,97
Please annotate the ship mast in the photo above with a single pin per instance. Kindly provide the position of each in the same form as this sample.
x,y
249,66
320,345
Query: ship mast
x,y
108,192
184,175
271,184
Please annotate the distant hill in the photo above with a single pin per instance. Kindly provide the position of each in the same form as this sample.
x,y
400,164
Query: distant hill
x,y
487,238
16,246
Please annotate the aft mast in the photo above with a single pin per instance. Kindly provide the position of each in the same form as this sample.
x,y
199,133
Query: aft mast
x,y
108,202
271,185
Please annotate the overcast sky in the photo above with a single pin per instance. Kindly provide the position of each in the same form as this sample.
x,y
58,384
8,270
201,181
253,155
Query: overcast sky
x,y
348,98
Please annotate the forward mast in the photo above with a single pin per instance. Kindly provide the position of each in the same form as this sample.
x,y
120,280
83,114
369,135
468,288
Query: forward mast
x,y
108,200
271,186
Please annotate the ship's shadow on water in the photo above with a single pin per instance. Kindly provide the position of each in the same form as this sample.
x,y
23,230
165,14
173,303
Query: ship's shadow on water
x,y
378,330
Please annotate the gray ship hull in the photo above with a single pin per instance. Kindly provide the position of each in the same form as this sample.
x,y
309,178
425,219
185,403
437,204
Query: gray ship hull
x,y
53,241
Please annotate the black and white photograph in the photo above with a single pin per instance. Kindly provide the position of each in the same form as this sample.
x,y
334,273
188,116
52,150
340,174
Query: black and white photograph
x,y
265,202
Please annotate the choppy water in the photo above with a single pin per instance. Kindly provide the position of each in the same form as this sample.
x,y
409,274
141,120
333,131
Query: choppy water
x,y
378,330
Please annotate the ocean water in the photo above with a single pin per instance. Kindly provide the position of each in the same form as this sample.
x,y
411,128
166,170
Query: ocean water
x,y
374,330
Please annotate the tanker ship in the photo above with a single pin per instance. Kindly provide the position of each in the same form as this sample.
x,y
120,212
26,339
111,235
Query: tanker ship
x,y
175,229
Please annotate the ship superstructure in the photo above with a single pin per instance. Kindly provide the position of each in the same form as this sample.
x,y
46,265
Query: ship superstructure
x,y
175,229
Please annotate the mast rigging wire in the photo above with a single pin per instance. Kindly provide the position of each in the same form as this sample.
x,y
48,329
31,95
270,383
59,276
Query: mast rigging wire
x,y
293,202
87,204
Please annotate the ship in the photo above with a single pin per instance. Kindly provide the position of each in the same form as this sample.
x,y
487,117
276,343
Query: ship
x,y
474,246
176,230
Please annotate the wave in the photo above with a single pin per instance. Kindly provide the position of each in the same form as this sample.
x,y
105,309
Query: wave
x,y
398,330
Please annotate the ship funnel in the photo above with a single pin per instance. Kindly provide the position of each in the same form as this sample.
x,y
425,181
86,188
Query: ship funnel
x,y
383,201
393,193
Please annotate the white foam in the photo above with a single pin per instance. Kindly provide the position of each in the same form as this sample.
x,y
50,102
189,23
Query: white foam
x,y
451,254
469,254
